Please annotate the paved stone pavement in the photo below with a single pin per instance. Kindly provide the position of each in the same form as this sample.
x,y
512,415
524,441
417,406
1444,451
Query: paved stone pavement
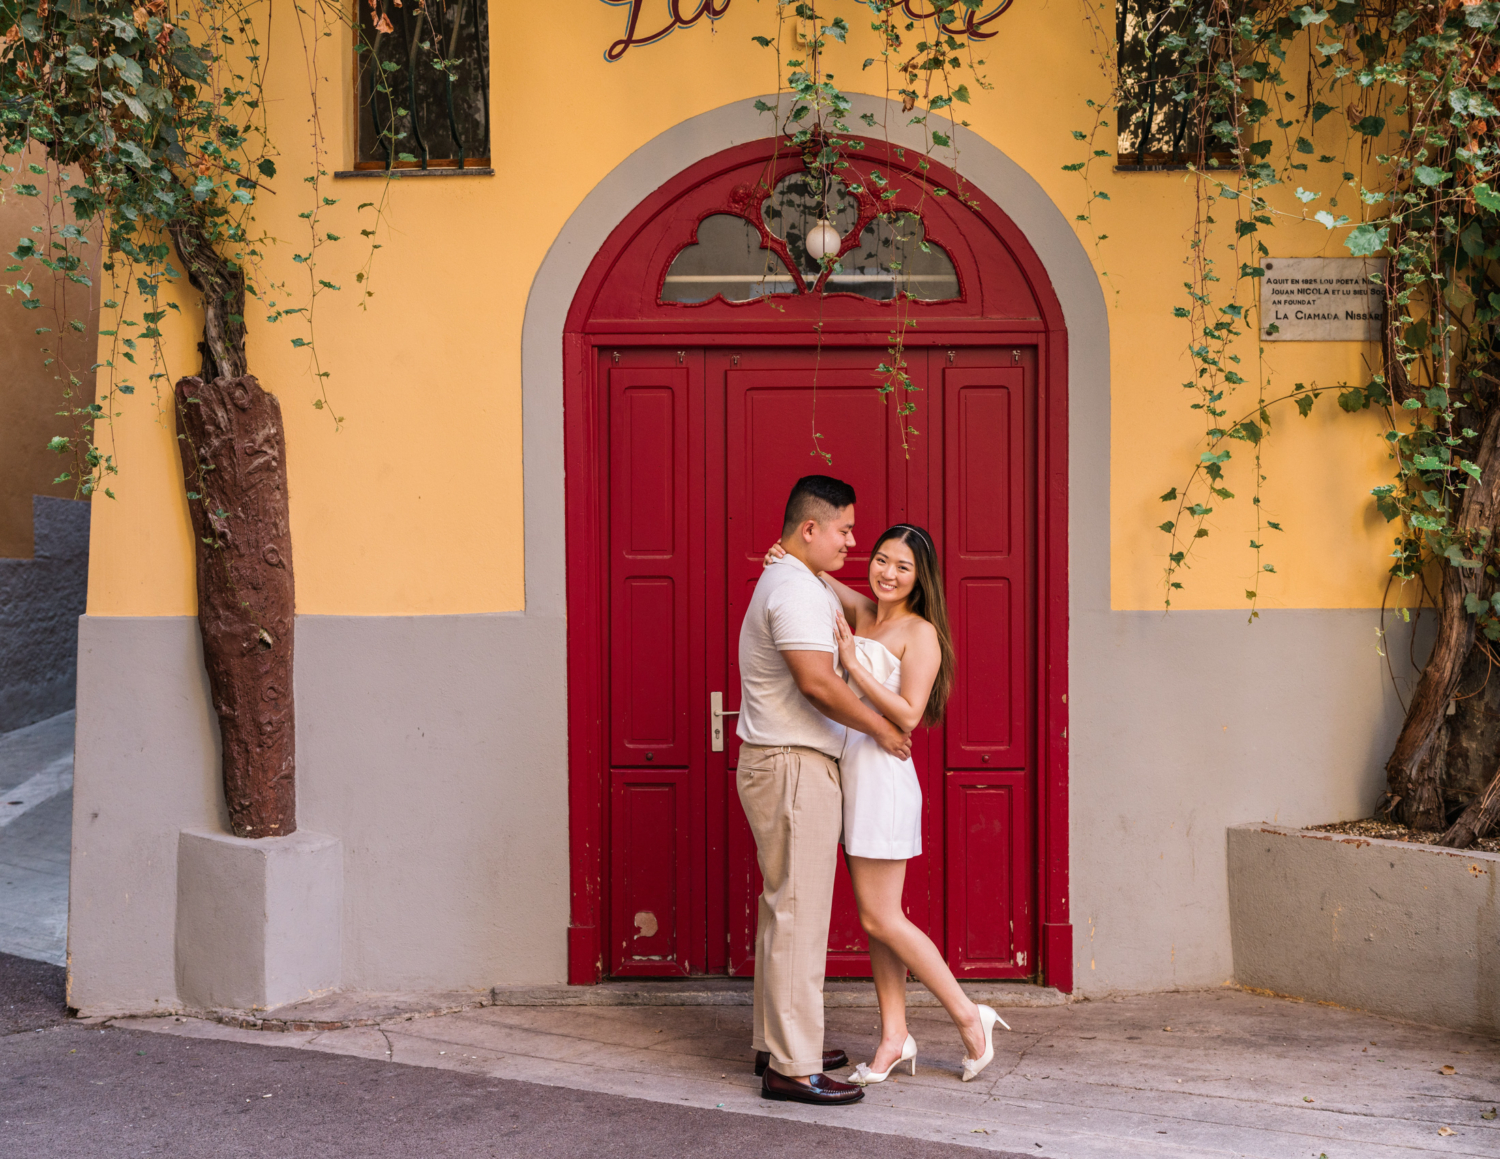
x,y
69,1089
1215,1073
1195,1074
36,819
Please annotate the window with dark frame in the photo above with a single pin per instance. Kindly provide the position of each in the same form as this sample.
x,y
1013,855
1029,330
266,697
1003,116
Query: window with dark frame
x,y
422,71
1161,116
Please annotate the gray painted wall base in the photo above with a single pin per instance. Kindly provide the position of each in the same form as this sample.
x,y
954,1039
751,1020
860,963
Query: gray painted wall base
x,y
40,601
1386,926
432,747
257,921
1186,724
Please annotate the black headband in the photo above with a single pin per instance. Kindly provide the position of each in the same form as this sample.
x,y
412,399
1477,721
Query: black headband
x,y
919,531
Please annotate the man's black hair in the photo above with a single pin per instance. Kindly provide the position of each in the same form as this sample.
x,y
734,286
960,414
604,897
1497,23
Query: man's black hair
x,y
817,497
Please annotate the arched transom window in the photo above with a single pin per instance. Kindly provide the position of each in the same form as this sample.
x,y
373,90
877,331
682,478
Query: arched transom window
x,y
811,235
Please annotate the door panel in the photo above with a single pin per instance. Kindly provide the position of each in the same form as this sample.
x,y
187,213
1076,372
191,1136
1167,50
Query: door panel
x,y
650,865
656,726
988,561
784,410
989,904
982,708
649,566
703,448
985,564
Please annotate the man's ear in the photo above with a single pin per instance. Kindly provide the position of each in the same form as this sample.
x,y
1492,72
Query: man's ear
x,y
807,530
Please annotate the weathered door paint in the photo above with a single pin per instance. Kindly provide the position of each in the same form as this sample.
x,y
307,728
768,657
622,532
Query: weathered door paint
x,y
657,763
686,425
963,475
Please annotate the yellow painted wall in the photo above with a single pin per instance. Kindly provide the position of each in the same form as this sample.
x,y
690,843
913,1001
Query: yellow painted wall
x,y
415,506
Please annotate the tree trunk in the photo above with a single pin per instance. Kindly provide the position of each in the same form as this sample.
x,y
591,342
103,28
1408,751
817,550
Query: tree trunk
x,y
1414,792
222,287
233,450
1475,821
234,464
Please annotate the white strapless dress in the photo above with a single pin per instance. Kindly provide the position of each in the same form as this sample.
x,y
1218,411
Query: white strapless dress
x,y
882,796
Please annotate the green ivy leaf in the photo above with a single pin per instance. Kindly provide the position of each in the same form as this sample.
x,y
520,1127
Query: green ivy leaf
x,y
1366,239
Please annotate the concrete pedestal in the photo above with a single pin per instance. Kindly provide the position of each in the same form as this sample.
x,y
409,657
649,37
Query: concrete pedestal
x,y
258,922
1411,931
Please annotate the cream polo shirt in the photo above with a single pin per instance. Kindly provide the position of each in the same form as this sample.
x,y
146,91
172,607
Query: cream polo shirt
x,y
791,611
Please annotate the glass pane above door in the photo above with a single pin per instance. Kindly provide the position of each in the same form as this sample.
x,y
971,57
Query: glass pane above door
x,y
892,256
797,204
728,260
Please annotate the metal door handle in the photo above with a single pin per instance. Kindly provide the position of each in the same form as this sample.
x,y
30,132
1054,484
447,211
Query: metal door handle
x,y
716,715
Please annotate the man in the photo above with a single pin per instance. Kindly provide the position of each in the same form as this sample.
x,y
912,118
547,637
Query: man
x,y
794,707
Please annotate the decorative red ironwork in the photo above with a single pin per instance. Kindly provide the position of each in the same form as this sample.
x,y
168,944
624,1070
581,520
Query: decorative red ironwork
x,y
747,200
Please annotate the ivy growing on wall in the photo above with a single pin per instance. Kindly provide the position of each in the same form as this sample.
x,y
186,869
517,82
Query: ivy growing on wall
x,y
1236,94
142,129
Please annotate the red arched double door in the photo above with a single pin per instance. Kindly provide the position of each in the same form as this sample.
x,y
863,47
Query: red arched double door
x,y
710,362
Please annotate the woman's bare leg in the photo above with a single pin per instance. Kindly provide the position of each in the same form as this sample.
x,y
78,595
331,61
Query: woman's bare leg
x,y
890,992
877,891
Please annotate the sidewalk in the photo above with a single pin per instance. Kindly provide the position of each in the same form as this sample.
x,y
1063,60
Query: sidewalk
x,y
1210,1073
36,835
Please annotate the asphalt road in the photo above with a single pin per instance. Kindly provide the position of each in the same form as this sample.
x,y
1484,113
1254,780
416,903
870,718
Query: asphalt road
x,y
72,1090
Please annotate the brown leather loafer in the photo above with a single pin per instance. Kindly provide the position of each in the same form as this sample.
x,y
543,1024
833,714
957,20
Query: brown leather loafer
x,y
822,1090
832,1060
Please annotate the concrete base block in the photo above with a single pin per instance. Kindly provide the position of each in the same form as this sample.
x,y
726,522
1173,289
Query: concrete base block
x,y
1390,927
258,921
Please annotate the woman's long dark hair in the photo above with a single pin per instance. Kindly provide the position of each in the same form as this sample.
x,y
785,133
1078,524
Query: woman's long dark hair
x,y
927,600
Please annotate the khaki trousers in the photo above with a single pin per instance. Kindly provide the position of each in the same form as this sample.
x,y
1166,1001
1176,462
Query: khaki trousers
x,y
792,799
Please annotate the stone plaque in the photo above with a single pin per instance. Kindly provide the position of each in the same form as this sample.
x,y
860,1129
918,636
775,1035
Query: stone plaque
x,y
1322,299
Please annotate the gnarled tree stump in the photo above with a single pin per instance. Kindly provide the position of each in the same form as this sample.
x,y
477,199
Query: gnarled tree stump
x,y
1414,791
233,458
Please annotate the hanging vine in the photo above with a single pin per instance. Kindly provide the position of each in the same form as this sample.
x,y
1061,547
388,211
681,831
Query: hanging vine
x,y
148,123
1235,94
145,125
921,55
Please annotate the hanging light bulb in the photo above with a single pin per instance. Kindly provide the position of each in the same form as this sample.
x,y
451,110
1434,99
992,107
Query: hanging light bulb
x,y
823,239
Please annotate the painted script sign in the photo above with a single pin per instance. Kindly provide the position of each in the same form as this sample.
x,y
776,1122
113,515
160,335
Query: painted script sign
x,y
667,16
1322,299
641,28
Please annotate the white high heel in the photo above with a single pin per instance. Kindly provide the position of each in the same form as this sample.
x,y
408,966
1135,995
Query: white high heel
x,y
987,1019
863,1076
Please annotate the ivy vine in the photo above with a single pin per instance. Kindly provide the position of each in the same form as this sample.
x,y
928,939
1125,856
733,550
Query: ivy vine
x,y
1415,178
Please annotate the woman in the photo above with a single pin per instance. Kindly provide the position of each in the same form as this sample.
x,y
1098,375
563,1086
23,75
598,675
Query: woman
x,y
899,658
